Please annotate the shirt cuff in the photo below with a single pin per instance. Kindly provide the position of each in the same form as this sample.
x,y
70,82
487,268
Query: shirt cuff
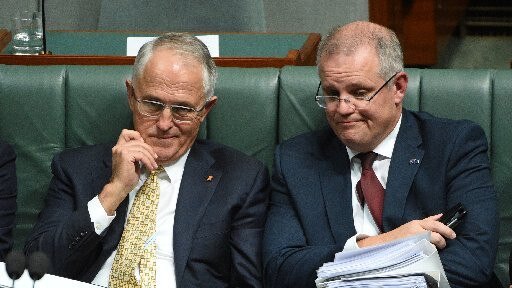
x,y
351,243
99,216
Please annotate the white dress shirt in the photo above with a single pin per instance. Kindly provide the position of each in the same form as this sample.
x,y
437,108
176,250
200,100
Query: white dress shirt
x,y
169,188
363,220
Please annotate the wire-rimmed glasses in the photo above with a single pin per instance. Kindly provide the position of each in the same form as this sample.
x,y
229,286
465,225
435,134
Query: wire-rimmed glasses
x,y
355,102
153,109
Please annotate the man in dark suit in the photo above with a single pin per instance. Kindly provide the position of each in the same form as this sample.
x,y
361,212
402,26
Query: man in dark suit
x,y
8,194
212,199
423,164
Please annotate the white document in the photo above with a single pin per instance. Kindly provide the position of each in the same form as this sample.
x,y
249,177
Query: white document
x,y
133,44
409,256
399,281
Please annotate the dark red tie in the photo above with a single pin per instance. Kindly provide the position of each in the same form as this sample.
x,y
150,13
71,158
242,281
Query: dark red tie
x,y
369,190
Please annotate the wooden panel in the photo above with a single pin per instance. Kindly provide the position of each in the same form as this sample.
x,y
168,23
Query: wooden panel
x,y
419,37
386,13
422,26
5,38
448,16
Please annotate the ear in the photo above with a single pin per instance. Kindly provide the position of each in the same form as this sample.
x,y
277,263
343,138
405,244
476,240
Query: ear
x,y
130,94
400,85
209,105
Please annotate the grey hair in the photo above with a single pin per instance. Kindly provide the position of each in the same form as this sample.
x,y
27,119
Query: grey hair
x,y
185,44
349,38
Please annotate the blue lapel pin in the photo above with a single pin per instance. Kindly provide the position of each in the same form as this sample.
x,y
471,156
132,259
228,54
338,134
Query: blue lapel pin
x,y
414,161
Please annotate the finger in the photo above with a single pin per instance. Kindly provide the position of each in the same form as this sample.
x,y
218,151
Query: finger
x,y
434,217
149,162
129,135
437,240
140,145
140,154
438,227
135,153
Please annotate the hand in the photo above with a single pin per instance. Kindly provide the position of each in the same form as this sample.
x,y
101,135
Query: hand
x,y
439,232
129,151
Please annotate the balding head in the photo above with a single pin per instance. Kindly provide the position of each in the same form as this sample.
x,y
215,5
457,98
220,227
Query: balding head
x,y
349,38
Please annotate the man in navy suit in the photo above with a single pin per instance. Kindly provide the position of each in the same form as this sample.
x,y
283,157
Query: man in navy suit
x,y
425,165
8,194
213,199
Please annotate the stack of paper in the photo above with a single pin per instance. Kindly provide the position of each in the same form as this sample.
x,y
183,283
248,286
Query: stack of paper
x,y
416,281
408,262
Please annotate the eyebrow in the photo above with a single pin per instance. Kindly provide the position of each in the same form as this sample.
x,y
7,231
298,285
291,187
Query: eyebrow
x,y
349,86
155,99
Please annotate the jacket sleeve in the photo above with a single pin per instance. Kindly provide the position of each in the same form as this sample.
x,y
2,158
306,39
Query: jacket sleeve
x,y
8,194
64,231
288,259
468,260
246,236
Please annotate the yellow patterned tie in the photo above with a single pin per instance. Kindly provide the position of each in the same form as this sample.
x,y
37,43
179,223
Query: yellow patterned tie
x,y
137,247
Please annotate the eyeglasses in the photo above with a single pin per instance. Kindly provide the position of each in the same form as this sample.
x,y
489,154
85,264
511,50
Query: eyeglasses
x,y
153,109
354,102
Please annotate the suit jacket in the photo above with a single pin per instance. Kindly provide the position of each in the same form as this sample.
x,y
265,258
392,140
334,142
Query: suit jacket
x,y
218,224
435,164
8,192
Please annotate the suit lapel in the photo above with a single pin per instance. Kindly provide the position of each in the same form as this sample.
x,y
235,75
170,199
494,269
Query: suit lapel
x,y
405,161
336,189
197,187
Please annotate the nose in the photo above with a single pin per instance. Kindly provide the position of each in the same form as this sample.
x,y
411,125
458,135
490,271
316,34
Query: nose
x,y
165,121
344,106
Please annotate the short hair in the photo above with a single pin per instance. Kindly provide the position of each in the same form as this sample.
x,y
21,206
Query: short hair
x,y
350,37
185,44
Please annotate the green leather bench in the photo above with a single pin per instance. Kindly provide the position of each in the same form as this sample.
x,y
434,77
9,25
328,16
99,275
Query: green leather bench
x,y
45,109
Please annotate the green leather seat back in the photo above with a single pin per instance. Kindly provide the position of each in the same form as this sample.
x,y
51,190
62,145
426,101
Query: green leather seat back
x,y
96,104
298,111
501,163
458,94
412,94
245,116
32,120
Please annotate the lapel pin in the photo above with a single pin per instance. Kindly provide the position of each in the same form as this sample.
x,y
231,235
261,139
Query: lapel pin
x,y
414,161
209,178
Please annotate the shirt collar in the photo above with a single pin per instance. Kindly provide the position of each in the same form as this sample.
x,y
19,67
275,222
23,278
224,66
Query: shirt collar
x,y
385,148
173,170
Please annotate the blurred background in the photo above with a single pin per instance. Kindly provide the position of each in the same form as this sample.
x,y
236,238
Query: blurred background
x,y
434,33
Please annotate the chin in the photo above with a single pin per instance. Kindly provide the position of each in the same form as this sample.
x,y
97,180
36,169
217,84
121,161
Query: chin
x,y
350,140
165,150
